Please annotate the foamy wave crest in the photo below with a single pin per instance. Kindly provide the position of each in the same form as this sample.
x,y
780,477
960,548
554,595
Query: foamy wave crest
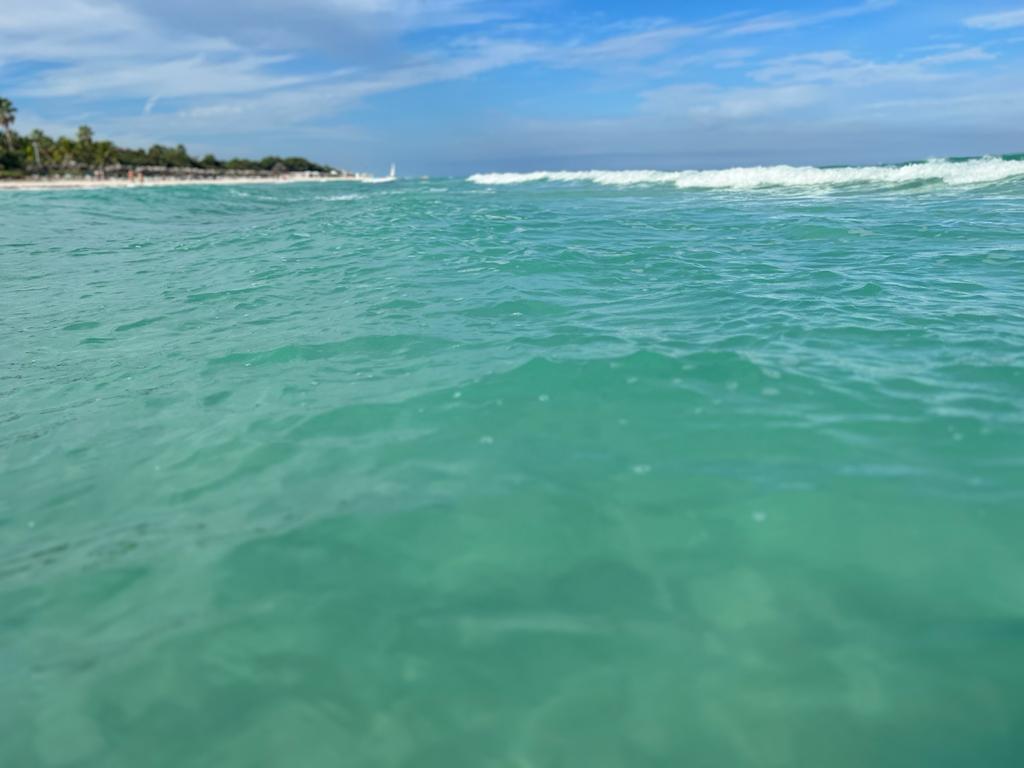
x,y
977,171
338,197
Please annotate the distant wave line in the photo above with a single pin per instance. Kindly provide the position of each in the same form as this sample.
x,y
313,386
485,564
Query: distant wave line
x,y
980,170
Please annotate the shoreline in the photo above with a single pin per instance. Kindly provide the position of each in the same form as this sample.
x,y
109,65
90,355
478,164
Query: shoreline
x,y
41,185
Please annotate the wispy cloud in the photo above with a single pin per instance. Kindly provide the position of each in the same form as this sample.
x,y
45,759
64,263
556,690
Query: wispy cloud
x,y
1002,20
635,45
706,102
84,30
200,75
326,96
843,67
96,48
782,21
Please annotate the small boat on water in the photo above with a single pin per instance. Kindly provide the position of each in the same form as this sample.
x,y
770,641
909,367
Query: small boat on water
x,y
392,176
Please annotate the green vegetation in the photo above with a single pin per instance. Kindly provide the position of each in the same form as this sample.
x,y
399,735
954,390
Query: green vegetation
x,y
36,153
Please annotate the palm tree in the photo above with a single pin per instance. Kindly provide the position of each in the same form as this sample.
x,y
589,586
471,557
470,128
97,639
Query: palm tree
x,y
102,150
84,146
41,147
7,112
64,153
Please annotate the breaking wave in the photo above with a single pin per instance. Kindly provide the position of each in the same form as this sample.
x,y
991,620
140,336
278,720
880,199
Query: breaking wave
x,y
981,170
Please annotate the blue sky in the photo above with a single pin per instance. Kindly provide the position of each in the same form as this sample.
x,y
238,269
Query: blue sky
x,y
456,86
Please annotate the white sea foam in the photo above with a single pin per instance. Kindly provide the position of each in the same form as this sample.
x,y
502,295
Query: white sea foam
x,y
977,171
338,197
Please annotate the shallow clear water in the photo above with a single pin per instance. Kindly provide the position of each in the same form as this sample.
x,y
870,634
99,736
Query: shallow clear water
x,y
548,474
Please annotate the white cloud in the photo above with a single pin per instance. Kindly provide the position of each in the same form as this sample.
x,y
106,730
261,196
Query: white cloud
x,y
705,102
958,56
96,49
781,21
62,16
1003,20
148,30
326,96
198,75
414,13
635,45
842,67
79,30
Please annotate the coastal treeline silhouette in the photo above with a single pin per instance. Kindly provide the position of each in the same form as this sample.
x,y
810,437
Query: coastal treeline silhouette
x,y
36,153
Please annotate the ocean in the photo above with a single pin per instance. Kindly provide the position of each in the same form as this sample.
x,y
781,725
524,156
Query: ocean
x,y
605,469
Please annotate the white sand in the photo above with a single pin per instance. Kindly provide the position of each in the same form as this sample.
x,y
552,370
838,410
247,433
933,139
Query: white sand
x,y
286,178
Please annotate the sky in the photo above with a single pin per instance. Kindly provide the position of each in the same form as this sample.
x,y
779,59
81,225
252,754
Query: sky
x,y
450,87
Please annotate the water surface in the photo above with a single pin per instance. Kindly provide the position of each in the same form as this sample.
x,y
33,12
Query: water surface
x,y
561,472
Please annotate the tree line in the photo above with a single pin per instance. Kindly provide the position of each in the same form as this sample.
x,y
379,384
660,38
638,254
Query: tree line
x,y
37,153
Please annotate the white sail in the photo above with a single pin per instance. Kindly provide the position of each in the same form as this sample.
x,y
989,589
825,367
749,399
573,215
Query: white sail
x,y
391,173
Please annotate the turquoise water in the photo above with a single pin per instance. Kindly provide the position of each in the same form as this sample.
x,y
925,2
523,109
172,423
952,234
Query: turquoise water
x,y
583,472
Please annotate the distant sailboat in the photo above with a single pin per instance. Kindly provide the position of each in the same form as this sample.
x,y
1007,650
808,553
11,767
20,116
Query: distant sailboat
x,y
392,176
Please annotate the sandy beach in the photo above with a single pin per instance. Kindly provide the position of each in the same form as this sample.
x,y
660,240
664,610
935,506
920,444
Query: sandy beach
x,y
83,183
